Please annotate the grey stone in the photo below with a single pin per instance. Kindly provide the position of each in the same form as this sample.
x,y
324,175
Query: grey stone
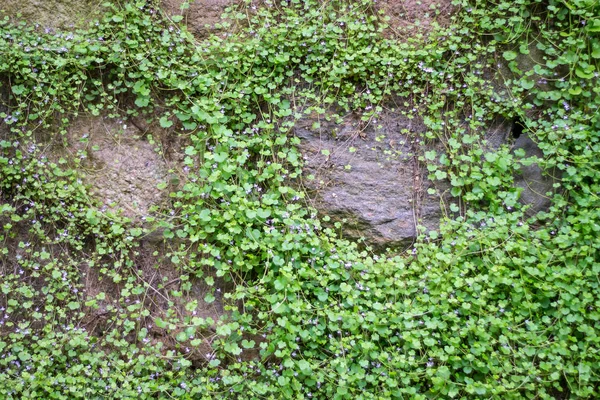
x,y
537,184
369,179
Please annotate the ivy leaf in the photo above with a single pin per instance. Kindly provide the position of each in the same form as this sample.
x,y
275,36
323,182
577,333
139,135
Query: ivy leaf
x,y
527,84
593,25
344,287
160,323
585,71
165,122
205,215
220,157
280,283
430,155
224,330
190,151
209,298
440,175
18,89
596,50
232,348
263,213
322,295
509,55
117,229
305,367
190,125
142,101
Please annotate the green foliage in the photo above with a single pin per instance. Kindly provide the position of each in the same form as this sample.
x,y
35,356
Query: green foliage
x,y
496,304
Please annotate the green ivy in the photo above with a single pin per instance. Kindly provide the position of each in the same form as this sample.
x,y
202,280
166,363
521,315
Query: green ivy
x,y
494,304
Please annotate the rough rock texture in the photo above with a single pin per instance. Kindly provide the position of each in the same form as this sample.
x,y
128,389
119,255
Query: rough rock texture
x,y
537,184
53,13
406,16
515,70
369,179
201,16
373,182
122,168
498,133
411,16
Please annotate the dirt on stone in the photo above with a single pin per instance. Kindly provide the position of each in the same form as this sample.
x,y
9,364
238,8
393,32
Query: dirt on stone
x,y
407,17
123,170
367,177
53,14
164,297
201,17
410,17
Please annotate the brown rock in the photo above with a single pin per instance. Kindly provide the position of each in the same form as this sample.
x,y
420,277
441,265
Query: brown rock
x,y
201,16
53,14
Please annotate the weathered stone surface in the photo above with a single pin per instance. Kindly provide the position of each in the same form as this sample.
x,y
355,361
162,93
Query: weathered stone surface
x,y
408,17
123,170
369,179
378,188
53,14
537,184
201,16
498,133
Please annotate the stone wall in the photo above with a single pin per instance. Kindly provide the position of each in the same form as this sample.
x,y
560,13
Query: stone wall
x,y
52,14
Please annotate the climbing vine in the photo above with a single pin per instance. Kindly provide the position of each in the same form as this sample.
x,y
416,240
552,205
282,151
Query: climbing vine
x,y
495,303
